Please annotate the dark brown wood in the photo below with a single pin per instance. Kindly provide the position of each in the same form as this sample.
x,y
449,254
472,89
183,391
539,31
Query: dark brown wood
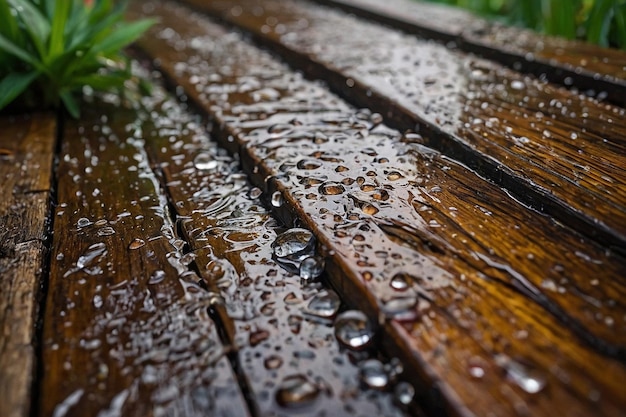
x,y
553,150
127,329
230,234
516,313
591,69
26,154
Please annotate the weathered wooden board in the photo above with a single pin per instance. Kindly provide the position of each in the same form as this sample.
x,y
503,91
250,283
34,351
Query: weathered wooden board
x,y
279,337
590,68
553,150
515,312
127,329
26,155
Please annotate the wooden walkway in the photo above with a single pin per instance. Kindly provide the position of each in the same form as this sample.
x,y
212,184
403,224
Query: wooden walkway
x,y
313,222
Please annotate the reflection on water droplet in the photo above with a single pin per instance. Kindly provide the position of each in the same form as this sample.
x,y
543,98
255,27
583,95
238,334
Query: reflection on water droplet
x,y
402,307
205,161
106,231
273,362
136,244
308,164
277,199
324,304
404,393
296,391
294,241
529,379
373,374
83,222
254,193
94,251
311,267
353,329
400,282
157,277
331,188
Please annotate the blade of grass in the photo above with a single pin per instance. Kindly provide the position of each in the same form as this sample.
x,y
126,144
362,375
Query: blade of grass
x,y
70,104
57,38
9,47
121,37
13,85
620,25
599,22
35,24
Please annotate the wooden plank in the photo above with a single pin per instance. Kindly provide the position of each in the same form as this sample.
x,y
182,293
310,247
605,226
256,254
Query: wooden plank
x,y
127,329
590,68
553,150
508,319
230,234
26,155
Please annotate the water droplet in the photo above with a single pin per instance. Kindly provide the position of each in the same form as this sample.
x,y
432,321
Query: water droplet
x,y
308,164
254,193
205,161
400,282
136,244
294,241
106,231
353,329
296,391
277,199
83,222
404,393
94,251
373,374
529,379
257,337
325,304
331,188
402,307
157,277
273,362
311,267
517,85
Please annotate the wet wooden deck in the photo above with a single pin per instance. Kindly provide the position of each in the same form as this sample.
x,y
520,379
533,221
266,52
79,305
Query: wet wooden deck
x,y
309,222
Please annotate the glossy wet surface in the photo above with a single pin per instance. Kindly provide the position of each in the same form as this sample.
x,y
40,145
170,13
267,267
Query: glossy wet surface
x,y
589,68
472,289
553,150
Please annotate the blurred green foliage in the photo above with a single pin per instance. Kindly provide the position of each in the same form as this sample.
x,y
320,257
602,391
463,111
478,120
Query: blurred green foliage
x,y
598,21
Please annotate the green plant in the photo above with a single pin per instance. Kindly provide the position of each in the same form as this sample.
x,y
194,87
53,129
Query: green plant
x,y
51,49
598,21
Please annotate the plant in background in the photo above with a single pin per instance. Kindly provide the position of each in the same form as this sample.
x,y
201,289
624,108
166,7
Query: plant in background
x,y
598,21
51,49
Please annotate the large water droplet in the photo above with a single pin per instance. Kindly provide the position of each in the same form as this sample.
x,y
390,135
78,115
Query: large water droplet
x,y
331,188
324,304
373,374
106,231
94,251
294,242
296,391
353,329
277,199
205,161
136,243
311,267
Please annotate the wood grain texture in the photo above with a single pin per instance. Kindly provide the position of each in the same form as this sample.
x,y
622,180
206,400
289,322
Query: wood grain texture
x,y
553,150
127,329
601,71
26,155
507,320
